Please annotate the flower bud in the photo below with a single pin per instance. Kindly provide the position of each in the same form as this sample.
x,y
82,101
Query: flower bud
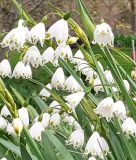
x,y
72,40
133,75
17,125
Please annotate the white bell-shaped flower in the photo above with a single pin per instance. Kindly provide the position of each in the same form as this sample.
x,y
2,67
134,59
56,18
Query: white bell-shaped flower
x,y
37,33
4,158
103,35
48,55
44,92
36,130
97,85
92,158
78,57
90,74
69,119
72,85
76,139
63,51
5,68
96,145
3,123
55,119
76,125
83,67
108,76
5,112
58,78
10,129
119,110
127,85
24,116
45,120
129,126
33,56
59,31
16,38
74,99
105,108
55,106
17,125
22,70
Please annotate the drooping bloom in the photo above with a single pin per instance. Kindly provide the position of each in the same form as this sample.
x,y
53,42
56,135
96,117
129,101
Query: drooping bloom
x,y
78,57
105,108
36,130
96,145
5,112
23,115
92,158
48,55
44,92
103,35
76,139
33,56
119,110
55,119
63,51
37,33
55,106
59,31
45,120
127,85
58,78
4,158
5,68
69,119
74,99
129,126
17,125
22,70
3,122
16,38
72,85
97,85
109,76
10,129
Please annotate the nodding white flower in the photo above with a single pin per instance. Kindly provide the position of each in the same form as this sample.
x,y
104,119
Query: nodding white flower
x,y
90,74
55,106
78,57
92,158
55,119
109,76
37,33
76,125
96,145
33,56
72,85
3,123
63,51
69,119
22,70
74,99
17,125
105,108
23,115
4,158
97,85
58,78
44,92
129,126
76,139
103,35
10,129
36,130
5,112
59,30
119,110
127,85
48,55
16,38
45,120
83,67
5,68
